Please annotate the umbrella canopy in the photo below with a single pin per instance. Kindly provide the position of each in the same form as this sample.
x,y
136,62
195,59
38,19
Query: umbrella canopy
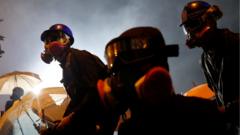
x,y
53,101
25,80
202,91
19,119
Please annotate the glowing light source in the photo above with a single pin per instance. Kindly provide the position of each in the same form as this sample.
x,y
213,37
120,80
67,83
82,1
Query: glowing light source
x,y
36,90
194,5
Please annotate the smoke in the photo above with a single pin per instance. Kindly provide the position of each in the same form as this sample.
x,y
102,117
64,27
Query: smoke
x,y
94,23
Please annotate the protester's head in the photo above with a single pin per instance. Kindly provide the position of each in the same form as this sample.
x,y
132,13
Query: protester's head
x,y
57,40
17,93
198,18
136,51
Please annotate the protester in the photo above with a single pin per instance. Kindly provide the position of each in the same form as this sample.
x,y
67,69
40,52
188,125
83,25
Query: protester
x,y
140,82
220,57
17,93
81,71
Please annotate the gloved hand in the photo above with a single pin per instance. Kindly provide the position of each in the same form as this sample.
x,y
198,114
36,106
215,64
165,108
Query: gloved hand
x,y
46,131
64,122
58,128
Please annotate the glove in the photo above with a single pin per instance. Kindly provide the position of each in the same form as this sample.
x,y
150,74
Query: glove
x,y
66,121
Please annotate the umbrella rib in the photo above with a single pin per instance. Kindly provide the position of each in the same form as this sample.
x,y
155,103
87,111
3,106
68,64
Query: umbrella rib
x,y
26,80
20,126
15,78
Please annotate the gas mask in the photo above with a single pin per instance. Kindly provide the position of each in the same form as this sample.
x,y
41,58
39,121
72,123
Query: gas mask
x,y
198,19
56,44
195,37
46,57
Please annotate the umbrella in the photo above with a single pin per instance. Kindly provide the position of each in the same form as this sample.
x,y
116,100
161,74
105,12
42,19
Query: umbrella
x,y
25,80
20,119
23,117
52,101
202,91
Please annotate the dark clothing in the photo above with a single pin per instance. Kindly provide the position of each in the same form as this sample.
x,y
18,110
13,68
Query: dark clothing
x,y
179,115
8,104
81,71
160,111
220,63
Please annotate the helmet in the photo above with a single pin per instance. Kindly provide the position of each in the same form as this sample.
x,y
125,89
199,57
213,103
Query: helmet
x,y
198,17
138,45
58,28
58,38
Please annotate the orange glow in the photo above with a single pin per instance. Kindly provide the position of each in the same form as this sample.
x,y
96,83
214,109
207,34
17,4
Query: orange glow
x,y
103,88
59,27
202,91
194,5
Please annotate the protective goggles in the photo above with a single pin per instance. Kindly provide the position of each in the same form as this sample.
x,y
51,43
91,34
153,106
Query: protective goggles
x,y
55,36
191,26
121,46
130,49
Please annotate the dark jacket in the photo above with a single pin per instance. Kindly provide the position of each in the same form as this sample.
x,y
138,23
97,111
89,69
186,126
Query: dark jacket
x,y
81,71
220,63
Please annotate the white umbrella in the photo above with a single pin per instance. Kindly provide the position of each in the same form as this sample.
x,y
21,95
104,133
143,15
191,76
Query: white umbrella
x,y
53,101
23,116
19,119
25,80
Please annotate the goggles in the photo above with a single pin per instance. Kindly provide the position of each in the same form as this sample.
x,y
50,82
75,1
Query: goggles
x,y
56,36
123,47
191,26
133,49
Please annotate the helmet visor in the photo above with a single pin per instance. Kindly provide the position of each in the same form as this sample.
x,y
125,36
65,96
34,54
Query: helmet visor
x,y
124,47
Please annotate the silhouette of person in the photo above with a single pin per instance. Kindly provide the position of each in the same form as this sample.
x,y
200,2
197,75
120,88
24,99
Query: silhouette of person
x,y
17,93
141,83
81,71
220,57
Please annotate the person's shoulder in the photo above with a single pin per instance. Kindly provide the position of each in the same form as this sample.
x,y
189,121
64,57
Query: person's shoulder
x,y
226,30
231,39
80,53
228,33
75,50
9,102
84,55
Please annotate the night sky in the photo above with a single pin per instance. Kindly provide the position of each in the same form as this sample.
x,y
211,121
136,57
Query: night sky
x,y
94,23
